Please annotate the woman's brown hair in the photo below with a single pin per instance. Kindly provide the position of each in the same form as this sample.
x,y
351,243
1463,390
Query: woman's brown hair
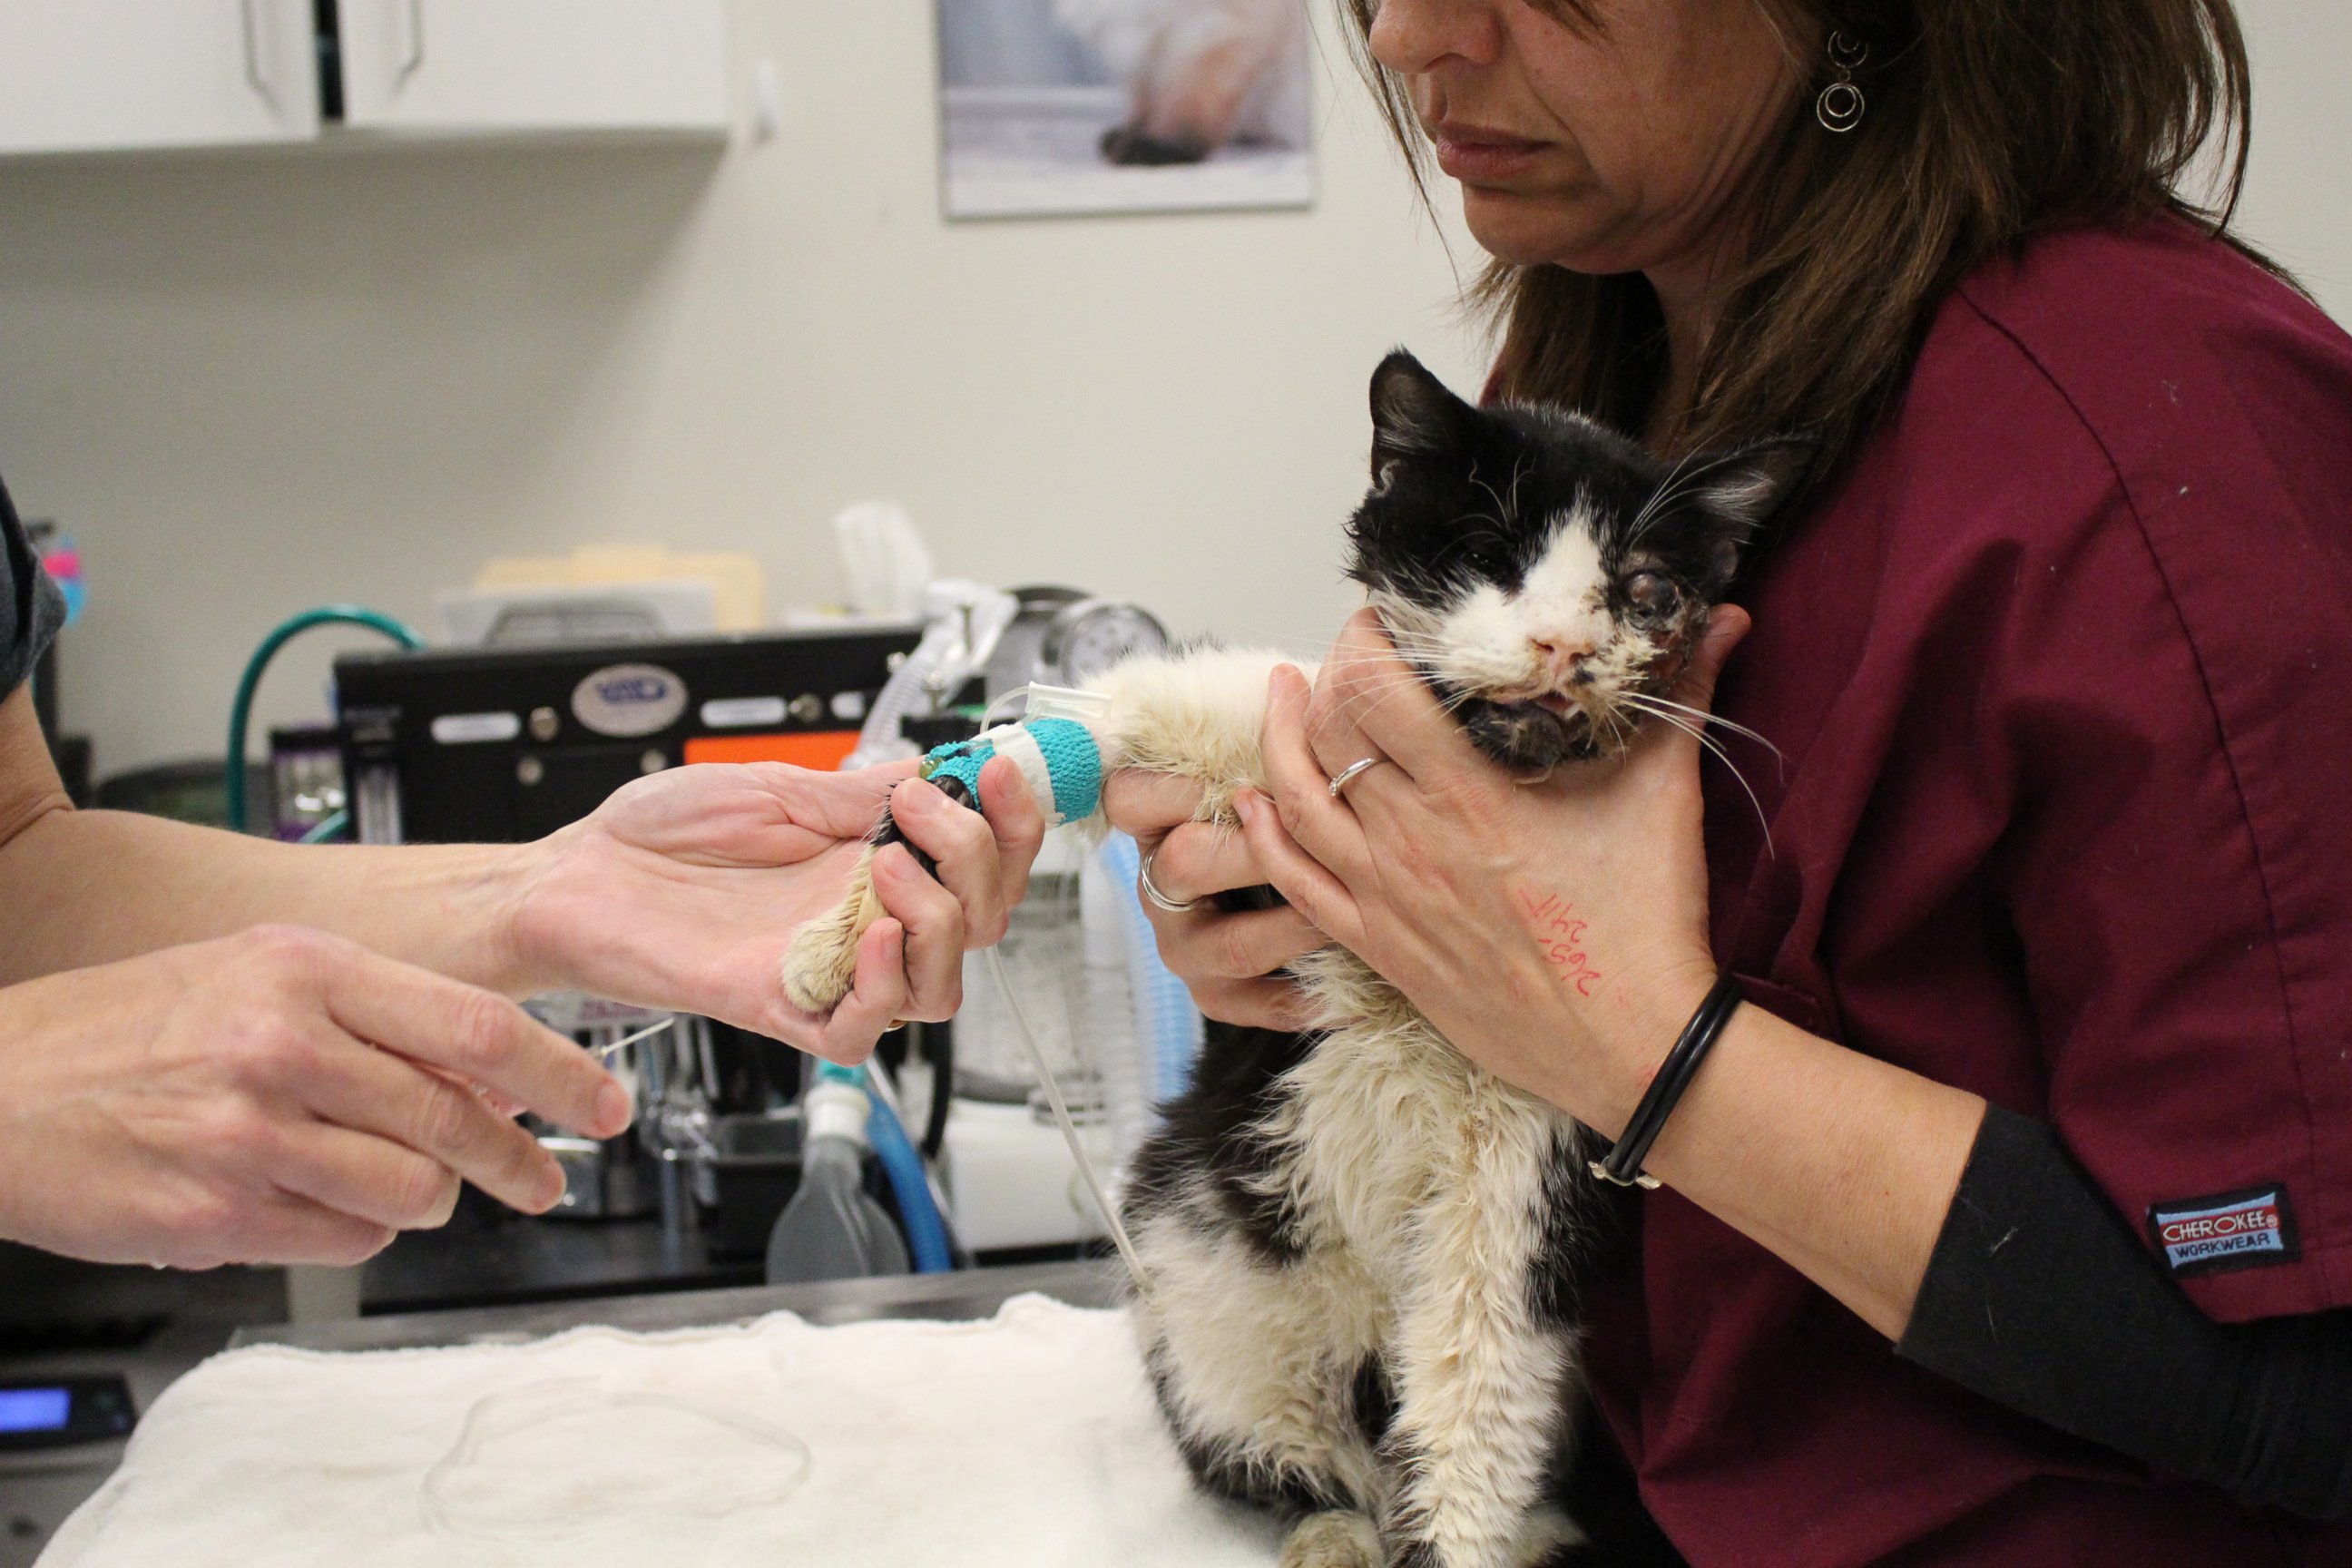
x,y
1989,122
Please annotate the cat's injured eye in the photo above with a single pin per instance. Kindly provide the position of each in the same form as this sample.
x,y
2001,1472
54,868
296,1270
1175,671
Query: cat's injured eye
x,y
1652,595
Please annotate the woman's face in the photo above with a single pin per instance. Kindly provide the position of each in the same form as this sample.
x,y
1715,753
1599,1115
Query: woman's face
x,y
1619,148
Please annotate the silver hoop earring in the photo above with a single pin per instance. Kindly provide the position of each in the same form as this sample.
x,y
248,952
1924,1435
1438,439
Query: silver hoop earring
x,y
1840,106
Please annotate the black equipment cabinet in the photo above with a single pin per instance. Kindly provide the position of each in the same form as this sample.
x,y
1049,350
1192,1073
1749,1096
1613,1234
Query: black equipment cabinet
x,y
504,744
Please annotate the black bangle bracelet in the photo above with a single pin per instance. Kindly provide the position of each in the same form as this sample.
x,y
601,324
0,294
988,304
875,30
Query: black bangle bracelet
x,y
1623,1164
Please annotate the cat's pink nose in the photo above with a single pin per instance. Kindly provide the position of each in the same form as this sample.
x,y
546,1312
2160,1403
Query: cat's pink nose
x,y
1558,656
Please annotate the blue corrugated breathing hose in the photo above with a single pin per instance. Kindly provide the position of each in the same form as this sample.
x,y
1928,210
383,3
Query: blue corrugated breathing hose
x,y
927,1233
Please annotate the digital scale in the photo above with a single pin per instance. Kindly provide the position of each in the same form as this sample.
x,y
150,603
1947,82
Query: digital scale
x,y
60,1437
63,1413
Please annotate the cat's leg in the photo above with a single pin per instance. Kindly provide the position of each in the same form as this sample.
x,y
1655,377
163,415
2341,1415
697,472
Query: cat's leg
x,y
1257,1364
1195,715
1474,1440
1482,1377
821,965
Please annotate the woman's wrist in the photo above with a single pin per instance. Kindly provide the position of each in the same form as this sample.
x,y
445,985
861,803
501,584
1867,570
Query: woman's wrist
x,y
1627,1040
454,909
522,944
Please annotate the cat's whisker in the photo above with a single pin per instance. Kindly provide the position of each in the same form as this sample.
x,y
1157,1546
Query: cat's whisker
x,y
1499,504
1695,733
1378,692
1678,481
1649,509
1717,719
1427,651
1454,702
1361,705
1621,734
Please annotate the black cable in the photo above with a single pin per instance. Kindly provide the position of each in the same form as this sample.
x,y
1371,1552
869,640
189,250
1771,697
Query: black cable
x,y
938,1050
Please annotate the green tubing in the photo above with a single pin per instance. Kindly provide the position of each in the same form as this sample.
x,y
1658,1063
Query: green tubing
x,y
326,827
240,713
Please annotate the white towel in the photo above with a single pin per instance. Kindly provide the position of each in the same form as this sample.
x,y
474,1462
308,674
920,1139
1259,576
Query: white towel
x,y
1030,1439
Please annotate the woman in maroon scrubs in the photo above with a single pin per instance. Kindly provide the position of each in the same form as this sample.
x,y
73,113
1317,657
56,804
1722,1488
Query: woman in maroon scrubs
x,y
2008,1223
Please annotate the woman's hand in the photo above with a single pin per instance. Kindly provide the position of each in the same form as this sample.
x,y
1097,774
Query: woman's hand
x,y
280,1096
684,889
1226,958
1556,932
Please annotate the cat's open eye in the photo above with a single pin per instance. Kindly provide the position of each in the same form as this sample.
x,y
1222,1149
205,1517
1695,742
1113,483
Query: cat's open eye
x,y
1651,595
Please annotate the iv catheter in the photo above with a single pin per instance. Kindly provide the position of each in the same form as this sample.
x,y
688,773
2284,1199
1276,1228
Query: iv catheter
x,y
1059,759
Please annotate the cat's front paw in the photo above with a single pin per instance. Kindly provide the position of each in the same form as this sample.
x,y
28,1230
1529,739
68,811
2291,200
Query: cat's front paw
x,y
821,966
1333,1540
1546,1539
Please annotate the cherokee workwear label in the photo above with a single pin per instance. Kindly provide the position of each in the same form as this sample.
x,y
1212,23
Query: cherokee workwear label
x,y
2244,1229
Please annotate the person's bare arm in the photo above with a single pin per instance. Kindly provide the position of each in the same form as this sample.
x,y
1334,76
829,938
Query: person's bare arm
x,y
90,887
681,891
213,1048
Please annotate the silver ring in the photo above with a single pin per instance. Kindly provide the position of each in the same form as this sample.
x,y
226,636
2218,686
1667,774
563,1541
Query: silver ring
x,y
1151,890
1347,775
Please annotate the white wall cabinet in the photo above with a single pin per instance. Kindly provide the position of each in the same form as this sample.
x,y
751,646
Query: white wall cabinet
x,y
534,65
95,75
103,75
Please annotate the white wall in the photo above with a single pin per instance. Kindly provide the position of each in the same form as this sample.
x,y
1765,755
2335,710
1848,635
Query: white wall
x,y
257,382
2298,196
254,383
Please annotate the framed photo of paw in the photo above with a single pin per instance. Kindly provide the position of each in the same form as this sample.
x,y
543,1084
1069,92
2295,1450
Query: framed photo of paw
x,y
1055,107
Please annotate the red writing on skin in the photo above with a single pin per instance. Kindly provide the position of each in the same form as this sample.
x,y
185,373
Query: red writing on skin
x,y
1559,937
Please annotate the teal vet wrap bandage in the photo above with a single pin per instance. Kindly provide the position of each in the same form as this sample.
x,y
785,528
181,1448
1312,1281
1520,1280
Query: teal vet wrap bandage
x,y
960,760
1058,757
1073,761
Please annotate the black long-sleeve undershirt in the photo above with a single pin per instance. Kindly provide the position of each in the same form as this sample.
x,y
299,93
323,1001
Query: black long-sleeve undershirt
x,y
2041,1298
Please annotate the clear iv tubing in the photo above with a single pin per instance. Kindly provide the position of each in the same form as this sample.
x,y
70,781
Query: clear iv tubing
x,y
599,1053
1069,1128
1046,1080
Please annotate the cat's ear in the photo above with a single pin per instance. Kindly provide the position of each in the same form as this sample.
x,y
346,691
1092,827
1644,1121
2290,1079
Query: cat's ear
x,y
1413,414
1748,484
1742,490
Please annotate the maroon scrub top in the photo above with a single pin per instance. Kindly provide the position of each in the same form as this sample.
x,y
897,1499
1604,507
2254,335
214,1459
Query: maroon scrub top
x,y
2063,676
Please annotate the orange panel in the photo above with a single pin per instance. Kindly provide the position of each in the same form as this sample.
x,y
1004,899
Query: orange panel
x,y
822,750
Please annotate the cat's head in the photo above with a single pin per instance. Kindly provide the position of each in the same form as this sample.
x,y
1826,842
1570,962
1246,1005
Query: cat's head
x,y
1544,573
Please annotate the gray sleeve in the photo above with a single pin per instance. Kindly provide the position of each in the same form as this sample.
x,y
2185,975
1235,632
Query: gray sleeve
x,y
31,608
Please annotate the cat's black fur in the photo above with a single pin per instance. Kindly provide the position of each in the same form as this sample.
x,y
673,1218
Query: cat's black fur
x,y
1462,498
1465,496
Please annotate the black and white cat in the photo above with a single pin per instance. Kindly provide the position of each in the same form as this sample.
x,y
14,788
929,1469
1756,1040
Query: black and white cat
x,y
1361,1249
